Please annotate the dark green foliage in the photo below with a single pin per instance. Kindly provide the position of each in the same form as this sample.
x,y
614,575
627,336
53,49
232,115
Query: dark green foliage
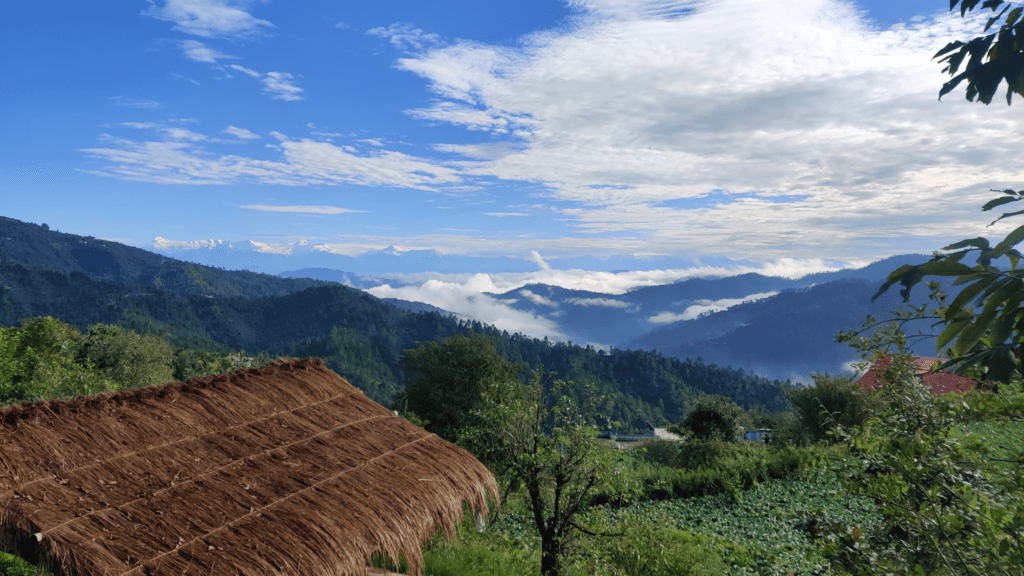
x,y
39,363
716,418
44,359
189,364
991,58
660,452
732,469
700,453
833,401
942,510
446,379
127,359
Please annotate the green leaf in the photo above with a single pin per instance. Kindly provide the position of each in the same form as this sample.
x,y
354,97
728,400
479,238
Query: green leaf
x,y
1007,215
1011,240
952,329
968,294
975,242
998,202
948,48
944,268
973,333
995,18
1003,328
1014,15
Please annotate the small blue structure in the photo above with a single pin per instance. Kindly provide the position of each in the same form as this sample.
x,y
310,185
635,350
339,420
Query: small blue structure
x,y
759,435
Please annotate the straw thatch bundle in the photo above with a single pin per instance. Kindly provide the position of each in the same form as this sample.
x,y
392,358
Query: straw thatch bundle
x,y
283,469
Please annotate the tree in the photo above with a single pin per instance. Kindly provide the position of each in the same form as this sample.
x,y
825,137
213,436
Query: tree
x,y
551,453
992,339
39,363
716,418
445,380
128,359
832,402
942,512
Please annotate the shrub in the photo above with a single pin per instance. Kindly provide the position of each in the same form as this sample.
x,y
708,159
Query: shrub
x,y
833,401
663,452
788,430
697,454
716,417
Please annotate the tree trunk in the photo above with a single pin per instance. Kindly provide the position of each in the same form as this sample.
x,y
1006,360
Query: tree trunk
x,y
550,554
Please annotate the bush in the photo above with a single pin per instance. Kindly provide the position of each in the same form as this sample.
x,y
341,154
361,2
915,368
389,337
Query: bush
x,y
833,401
737,467
789,430
717,417
697,454
661,452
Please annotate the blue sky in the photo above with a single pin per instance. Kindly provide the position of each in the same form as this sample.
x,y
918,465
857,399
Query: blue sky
x,y
632,135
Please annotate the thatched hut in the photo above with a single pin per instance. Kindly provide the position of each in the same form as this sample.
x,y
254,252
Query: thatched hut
x,y
287,469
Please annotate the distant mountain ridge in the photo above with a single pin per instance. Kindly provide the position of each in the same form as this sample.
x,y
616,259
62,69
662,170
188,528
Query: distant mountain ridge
x,y
624,319
33,245
83,281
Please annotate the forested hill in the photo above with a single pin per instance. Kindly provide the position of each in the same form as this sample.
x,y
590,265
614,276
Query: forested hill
x,y
38,246
84,281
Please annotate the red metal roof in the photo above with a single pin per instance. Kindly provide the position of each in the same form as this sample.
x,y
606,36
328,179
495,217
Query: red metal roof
x,y
939,382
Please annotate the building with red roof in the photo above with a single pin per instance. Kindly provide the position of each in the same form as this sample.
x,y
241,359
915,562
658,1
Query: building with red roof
x,y
940,382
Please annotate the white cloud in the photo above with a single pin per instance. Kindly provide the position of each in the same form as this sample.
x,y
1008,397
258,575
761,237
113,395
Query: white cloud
x,y
241,133
405,36
539,260
302,162
537,299
208,18
244,70
195,50
140,125
819,129
281,86
471,118
170,132
506,214
605,302
133,103
468,299
299,209
370,141
706,306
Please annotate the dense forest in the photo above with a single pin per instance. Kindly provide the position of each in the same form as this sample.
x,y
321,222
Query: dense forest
x,y
203,309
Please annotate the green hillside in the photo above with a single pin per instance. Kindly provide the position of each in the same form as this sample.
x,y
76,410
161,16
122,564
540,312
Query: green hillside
x,y
43,273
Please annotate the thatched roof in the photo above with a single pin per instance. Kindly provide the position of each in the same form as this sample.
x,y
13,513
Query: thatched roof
x,y
284,469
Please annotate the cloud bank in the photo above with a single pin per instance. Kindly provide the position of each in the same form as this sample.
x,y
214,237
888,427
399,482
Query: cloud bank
x,y
706,307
